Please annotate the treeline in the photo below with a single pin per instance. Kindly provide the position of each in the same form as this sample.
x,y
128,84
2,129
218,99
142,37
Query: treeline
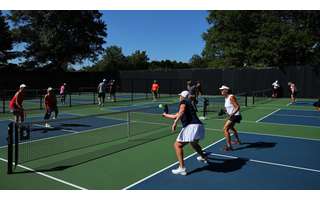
x,y
58,40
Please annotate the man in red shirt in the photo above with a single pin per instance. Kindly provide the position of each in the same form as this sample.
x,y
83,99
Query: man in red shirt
x,y
16,106
50,103
155,90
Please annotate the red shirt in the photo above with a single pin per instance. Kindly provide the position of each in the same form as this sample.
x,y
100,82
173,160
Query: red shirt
x,y
17,98
155,87
50,101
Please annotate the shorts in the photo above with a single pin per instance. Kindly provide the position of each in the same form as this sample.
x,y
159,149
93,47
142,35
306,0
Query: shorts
x,y
102,94
191,133
49,111
235,118
17,112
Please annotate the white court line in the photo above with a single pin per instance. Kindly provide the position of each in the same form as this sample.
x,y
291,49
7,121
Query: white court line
x,y
270,163
289,104
48,176
268,115
307,116
132,185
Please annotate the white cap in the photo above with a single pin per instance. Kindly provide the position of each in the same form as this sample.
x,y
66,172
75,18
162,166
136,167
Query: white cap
x,y
49,89
104,80
184,94
23,86
223,87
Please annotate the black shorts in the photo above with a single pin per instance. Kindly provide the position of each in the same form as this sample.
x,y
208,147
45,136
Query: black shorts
x,y
235,118
102,94
294,94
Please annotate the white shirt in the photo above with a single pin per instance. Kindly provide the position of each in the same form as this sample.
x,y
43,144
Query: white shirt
x,y
275,85
229,107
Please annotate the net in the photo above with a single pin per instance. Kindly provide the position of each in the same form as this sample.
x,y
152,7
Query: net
x,y
215,104
74,140
261,96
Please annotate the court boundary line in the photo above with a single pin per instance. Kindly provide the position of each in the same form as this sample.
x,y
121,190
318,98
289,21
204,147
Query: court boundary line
x,y
262,118
306,116
48,176
171,165
269,163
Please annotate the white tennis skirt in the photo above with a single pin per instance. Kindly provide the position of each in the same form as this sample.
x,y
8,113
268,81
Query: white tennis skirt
x,y
191,133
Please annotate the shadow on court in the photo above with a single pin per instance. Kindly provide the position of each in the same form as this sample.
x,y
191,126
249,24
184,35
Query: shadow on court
x,y
256,145
222,165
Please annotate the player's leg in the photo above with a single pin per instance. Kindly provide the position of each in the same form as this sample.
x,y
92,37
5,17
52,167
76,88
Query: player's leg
x,y
226,131
195,145
178,146
235,133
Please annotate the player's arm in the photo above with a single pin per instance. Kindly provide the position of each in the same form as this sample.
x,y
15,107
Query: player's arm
x,y
236,105
176,116
46,102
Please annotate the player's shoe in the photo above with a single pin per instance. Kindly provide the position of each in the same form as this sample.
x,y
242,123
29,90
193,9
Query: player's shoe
x,y
204,160
47,125
179,171
227,148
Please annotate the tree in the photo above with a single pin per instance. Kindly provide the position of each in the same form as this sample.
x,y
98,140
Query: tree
x,y
138,60
6,41
197,61
56,39
261,38
113,59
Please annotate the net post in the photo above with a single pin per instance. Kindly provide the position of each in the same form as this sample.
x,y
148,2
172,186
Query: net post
x,y
146,87
17,133
253,98
129,124
10,148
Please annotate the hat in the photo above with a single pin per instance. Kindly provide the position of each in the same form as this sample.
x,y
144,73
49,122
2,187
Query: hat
x,y
104,80
184,94
49,89
64,84
23,86
223,87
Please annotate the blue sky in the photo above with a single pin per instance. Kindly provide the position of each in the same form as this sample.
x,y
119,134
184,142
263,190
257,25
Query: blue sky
x,y
173,35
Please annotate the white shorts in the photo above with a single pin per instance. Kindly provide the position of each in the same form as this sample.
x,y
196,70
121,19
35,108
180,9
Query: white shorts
x,y
191,133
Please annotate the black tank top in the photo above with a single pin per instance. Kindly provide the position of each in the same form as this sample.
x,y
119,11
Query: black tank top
x,y
190,115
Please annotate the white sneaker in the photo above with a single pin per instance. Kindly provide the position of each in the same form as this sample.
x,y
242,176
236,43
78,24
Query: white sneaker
x,y
47,125
53,117
199,158
179,171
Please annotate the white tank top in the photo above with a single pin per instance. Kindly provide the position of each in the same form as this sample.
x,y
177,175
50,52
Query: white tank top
x,y
229,107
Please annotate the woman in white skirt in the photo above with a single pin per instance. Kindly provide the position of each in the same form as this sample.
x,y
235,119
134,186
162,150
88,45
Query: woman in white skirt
x,y
192,131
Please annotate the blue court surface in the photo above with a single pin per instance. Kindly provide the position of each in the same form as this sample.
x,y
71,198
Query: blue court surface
x,y
302,103
61,127
295,117
261,162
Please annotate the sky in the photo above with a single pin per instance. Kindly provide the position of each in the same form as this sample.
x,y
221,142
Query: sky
x,y
173,35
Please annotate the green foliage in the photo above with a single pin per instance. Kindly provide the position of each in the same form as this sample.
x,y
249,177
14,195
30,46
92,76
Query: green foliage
x,y
113,59
197,61
56,39
6,41
262,38
138,60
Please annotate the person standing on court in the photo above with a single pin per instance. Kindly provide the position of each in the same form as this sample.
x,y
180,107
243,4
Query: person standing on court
x,y
112,90
16,104
275,89
102,87
232,109
155,90
293,91
192,131
50,104
192,94
63,93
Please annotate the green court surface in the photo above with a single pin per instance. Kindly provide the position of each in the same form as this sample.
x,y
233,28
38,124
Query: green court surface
x,y
124,162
